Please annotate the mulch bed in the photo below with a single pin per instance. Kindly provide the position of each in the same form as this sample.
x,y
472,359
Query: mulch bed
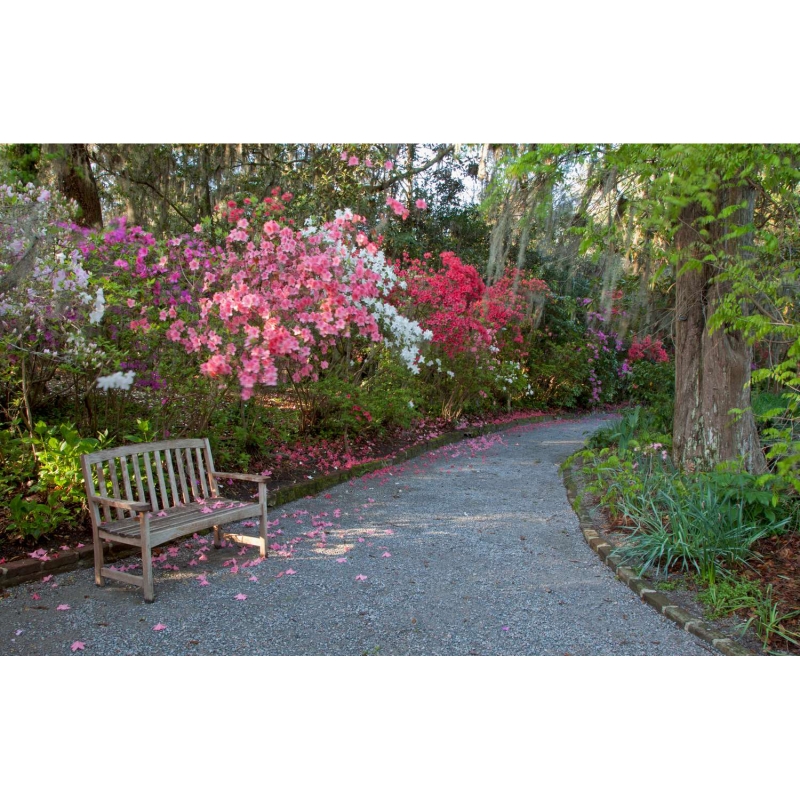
x,y
779,567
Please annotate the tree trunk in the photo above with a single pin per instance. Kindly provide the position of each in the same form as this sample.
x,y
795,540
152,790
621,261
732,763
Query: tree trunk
x,y
76,181
712,371
410,168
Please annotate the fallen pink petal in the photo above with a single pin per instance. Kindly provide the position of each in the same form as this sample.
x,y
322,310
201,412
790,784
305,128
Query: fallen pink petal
x,y
77,646
62,607
159,627
240,596
361,577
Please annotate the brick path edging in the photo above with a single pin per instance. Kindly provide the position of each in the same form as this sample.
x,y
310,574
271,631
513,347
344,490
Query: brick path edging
x,y
642,587
32,569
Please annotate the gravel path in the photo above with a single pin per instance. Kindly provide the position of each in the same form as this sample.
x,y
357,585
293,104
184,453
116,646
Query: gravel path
x,y
471,549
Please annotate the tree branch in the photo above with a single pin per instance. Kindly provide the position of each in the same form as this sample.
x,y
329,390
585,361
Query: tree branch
x,y
441,153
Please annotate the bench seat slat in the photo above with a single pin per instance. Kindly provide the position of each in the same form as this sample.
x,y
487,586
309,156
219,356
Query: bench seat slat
x,y
178,517
130,541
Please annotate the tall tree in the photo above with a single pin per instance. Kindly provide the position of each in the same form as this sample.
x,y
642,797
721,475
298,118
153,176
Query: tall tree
x,y
712,368
75,179
700,199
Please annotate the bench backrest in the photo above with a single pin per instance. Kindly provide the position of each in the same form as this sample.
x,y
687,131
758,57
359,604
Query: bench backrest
x,y
164,474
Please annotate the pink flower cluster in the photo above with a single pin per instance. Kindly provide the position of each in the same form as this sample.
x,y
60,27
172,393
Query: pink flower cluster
x,y
465,315
648,349
397,207
278,299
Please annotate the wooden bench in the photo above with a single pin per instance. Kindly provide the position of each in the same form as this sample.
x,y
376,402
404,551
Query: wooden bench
x,y
176,493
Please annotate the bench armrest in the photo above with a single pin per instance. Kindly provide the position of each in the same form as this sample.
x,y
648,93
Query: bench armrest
x,y
125,505
238,476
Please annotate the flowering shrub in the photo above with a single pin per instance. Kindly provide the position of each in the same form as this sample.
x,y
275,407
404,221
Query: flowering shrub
x,y
648,349
648,378
50,303
281,302
602,348
476,329
277,303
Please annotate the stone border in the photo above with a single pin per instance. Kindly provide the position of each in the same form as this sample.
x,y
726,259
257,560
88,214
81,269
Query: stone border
x,y
30,569
641,586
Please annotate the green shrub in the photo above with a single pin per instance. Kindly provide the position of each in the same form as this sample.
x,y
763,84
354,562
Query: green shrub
x,y
386,397
58,451
44,493
702,522
559,375
650,382
763,498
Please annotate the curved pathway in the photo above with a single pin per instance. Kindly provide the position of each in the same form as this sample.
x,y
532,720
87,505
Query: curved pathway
x,y
471,549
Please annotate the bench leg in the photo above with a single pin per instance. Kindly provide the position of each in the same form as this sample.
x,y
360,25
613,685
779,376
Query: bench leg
x,y
147,560
262,501
98,561
217,537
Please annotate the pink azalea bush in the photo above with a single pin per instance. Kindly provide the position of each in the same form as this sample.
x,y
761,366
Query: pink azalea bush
x,y
275,303
477,345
